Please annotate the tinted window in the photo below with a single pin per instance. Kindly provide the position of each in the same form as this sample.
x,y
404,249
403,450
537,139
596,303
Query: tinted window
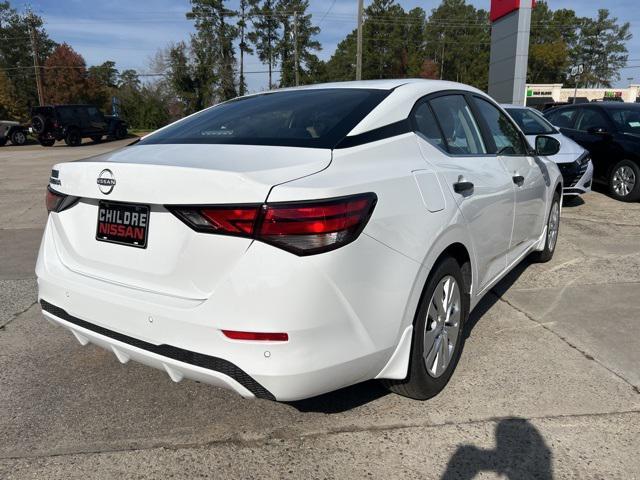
x,y
590,118
94,114
460,130
426,124
66,114
306,118
626,119
562,118
530,122
505,135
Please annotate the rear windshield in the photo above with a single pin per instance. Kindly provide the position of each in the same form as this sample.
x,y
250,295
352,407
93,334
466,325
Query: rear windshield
x,y
317,118
530,122
626,119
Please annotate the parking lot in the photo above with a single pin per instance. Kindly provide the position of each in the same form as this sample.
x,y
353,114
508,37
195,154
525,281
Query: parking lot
x,y
548,385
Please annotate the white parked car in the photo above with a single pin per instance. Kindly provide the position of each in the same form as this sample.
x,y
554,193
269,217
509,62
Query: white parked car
x,y
573,161
294,242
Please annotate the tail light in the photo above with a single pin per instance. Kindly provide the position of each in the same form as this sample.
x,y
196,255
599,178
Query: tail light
x,y
302,228
57,202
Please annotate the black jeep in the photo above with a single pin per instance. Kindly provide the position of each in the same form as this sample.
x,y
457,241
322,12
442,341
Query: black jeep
x,y
72,123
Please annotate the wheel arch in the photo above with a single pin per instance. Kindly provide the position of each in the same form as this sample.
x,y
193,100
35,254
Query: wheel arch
x,y
397,366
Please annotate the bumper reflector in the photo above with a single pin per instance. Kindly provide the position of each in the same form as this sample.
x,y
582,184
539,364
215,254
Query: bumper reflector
x,y
259,336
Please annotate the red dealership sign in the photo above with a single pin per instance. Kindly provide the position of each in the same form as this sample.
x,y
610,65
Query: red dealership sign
x,y
499,8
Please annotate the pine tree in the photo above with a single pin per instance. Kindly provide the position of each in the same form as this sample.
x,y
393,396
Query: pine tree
x,y
265,34
10,108
213,52
244,46
601,48
301,37
16,55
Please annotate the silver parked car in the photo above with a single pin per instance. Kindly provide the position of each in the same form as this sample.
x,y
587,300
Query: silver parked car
x,y
13,131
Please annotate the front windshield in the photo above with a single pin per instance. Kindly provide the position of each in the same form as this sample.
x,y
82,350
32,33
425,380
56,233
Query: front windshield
x,y
530,122
627,120
317,118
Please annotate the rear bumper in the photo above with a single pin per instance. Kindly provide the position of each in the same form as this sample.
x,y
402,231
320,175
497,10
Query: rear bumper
x,y
343,312
177,362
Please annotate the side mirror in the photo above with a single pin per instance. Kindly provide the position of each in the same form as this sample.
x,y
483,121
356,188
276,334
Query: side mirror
x,y
597,131
546,145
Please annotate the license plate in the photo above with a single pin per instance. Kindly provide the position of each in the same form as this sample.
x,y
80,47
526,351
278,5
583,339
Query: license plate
x,y
123,223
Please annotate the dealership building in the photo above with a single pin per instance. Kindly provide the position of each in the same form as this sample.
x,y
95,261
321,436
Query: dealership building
x,y
543,93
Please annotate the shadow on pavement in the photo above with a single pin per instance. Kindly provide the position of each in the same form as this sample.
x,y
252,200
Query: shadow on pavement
x,y
572,201
344,399
521,453
490,299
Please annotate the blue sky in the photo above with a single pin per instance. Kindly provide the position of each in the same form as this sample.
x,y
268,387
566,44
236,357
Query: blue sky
x,y
131,32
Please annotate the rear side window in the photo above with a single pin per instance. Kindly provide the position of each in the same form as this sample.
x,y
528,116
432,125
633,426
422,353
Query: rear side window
x,y
425,123
504,133
590,118
530,122
459,128
562,118
317,118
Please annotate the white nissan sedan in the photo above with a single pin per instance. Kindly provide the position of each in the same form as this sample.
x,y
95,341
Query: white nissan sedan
x,y
294,242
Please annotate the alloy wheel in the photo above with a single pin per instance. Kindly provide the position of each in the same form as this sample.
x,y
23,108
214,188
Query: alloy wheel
x,y
554,224
442,326
624,179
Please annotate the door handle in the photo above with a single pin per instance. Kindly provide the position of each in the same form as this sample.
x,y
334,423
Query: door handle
x,y
462,187
518,180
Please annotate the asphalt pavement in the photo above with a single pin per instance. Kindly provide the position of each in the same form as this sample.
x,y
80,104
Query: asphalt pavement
x,y
548,385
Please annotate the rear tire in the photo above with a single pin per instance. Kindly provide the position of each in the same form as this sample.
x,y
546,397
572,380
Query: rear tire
x,y
18,137
73,137
553,228
441,313
47,142
624,181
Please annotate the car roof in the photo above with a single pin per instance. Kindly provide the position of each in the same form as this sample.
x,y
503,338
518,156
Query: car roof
x,y
405,92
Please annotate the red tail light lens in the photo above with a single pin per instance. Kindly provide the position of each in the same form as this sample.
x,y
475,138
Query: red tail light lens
x,y
303,228
57,202
256,336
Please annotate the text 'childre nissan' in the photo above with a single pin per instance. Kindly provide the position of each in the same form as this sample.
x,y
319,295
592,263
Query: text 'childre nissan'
x,y
289,243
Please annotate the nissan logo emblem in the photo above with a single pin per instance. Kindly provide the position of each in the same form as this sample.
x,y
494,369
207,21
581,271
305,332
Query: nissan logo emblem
x,y
106,181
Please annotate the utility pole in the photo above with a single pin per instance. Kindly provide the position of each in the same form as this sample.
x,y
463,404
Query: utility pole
x,y
242,47
34,49
359,47
295,47
444,38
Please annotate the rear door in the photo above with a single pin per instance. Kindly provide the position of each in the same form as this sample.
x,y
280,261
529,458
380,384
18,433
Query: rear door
x,y
446,121
96,121
527,173
593,131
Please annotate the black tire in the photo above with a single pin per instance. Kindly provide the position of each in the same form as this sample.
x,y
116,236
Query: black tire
x,y
18,137
419,383
3,141
46,142
39,123
73,138
96,138
624,181
549,243
121,132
